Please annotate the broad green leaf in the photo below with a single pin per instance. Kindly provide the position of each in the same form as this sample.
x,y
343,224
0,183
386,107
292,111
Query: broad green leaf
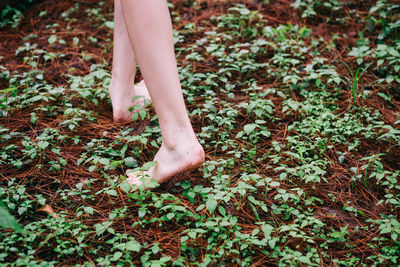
x,y
109,24
148,165
130,162
126,187
112,192
43,144
248,128
52,39
211,204
8,221
141,212
89,210
133,246
170,215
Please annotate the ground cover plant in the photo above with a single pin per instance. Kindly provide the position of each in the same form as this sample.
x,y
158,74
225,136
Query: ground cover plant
x,y
297,106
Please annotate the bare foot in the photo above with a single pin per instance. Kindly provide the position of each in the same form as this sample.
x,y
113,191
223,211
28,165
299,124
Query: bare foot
x,y
122,99
184,156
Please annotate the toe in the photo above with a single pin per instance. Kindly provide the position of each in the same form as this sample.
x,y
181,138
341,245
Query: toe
x,y
120,116
137,178
133,178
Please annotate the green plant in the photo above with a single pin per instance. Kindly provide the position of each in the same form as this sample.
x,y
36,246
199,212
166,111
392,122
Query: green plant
x,y
354,87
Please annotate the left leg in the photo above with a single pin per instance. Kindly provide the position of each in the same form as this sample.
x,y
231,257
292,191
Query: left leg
x,y
122,88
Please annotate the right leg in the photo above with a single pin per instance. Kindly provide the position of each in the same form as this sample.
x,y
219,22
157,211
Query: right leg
x,y
122,88
150,30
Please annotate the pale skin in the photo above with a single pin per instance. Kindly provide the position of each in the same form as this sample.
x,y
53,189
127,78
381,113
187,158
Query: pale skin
x,y
143,35
122,89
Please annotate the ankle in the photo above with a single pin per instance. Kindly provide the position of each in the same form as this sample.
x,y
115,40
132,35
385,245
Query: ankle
x,y
117,81
180,139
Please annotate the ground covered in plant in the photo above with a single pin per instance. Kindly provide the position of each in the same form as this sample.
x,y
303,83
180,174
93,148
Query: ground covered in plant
x,y
296,104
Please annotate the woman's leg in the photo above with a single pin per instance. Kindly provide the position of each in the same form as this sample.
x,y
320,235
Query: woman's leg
x,y
122,88
150,31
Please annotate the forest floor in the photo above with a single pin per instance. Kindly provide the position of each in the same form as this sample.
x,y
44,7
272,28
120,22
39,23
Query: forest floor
x,y
295,102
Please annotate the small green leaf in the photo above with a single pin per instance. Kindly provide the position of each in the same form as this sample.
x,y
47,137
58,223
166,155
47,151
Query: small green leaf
x,y
211,204
11,89
133,246
142,114
141,212
274,184
170,215
123,149
104,161
52,39
89,210
248,128
267,230
8,221
222,211
109,24
135,116
244,11
126,187
112,192
43,144
79,186
386,230
130,162
116,256
148,165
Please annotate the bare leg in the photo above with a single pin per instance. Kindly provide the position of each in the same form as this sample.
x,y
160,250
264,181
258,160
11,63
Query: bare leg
x,y
150,31
122,88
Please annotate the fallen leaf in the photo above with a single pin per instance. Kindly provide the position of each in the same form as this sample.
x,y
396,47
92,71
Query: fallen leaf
x,y
49,210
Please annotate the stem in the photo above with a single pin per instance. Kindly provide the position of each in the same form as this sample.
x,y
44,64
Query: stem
x,y
353,89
